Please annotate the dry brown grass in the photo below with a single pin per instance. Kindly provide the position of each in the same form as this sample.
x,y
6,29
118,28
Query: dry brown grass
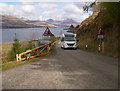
x,y
5,48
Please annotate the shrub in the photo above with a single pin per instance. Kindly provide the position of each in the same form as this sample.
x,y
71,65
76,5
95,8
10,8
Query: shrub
x,y
16,49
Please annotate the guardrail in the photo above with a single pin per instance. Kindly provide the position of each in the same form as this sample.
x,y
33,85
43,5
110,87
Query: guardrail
x,y
38,51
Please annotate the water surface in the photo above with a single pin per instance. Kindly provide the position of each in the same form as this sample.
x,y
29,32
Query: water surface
x,y
26,34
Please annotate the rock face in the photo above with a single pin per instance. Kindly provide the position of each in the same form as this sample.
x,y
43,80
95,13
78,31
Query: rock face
x,y
89,20
88,29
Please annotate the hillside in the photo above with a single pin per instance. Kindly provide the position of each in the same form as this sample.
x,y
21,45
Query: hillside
x,y
13,22
41,23
88,29
8,21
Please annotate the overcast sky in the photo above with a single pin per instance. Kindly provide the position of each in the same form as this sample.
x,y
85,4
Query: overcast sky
x,y
45,10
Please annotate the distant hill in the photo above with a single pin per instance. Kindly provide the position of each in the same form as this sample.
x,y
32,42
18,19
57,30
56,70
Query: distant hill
x,y
8,21
69,22
66,22
13,22
50,21
41,23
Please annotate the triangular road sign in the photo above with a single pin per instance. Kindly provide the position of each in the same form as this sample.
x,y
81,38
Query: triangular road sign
x,y
47,32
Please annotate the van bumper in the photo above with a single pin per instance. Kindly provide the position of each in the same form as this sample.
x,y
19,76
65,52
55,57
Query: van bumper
x,y
70,47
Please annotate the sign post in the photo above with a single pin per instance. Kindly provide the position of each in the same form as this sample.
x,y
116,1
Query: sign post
x,y
103,46
100,36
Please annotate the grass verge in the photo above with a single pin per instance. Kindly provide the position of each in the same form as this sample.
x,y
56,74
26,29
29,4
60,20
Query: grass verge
x,y
14,63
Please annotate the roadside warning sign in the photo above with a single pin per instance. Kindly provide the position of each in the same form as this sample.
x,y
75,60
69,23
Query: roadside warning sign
x,y
47,32
100,32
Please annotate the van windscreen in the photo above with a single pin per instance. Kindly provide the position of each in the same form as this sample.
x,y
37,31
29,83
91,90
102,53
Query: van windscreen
x,y
70,39
69,35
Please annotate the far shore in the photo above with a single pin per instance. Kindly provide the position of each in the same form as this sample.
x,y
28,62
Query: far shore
x,y
26,27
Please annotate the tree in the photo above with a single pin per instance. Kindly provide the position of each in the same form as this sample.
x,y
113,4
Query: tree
x,y
16,45
71,26
89,5
16,49
77,26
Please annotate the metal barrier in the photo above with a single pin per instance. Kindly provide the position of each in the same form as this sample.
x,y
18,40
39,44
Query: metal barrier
x,y
38,51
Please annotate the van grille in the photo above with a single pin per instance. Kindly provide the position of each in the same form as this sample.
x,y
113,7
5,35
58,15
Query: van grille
x,y
71,44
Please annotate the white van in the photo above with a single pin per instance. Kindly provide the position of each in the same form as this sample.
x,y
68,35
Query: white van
x,y
68,41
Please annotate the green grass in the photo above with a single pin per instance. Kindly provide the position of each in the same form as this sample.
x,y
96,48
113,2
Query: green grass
x,y
6,47
5,65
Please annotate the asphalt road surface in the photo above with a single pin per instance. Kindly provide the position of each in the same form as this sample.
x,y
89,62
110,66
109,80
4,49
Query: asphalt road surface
x,y
67,69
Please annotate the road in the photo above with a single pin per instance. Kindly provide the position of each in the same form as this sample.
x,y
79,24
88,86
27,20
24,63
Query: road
x,y
67,69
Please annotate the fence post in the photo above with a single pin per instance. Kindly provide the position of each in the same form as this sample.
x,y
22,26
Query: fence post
x,y
48,47
17,57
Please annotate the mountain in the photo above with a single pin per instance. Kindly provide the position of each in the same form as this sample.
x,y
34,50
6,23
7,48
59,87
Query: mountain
x,y
69,22
66,22
41,23
8,21
50,21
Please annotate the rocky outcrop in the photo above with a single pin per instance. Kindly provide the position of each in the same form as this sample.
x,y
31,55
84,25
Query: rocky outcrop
x,y
88,29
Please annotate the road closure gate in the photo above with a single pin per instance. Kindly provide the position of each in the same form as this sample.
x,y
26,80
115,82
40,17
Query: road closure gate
x,y
38,51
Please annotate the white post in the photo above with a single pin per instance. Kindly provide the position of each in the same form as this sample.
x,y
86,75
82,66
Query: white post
x,y
86,46
99,49
17,57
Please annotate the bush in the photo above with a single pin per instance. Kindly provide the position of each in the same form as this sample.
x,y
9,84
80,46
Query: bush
x,y
16,49
53,38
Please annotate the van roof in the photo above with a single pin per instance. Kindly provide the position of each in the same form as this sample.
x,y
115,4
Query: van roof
x,y
69,35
